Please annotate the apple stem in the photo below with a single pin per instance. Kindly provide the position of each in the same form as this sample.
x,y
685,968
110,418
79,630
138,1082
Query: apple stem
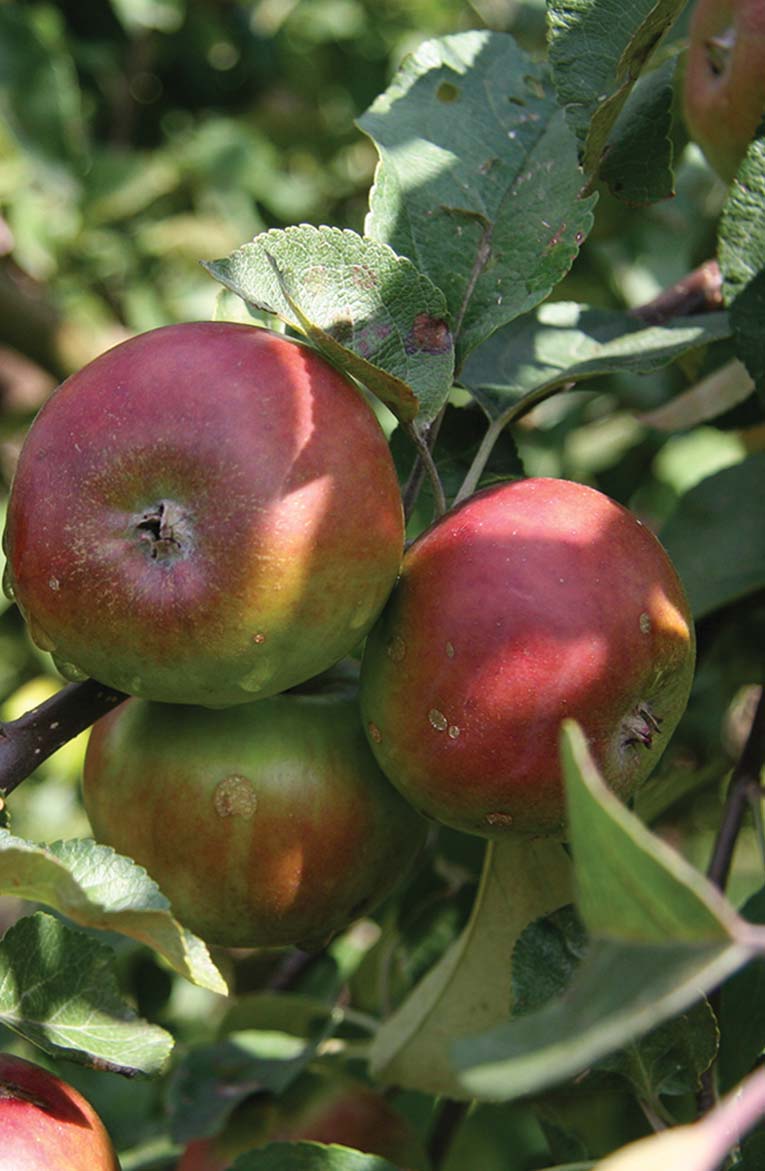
x,y
743,790
422,441
26,742
450,1117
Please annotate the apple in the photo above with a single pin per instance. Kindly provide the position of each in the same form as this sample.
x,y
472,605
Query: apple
x,y
532,601
207,513
316,1108
265,825
724,84
46,1125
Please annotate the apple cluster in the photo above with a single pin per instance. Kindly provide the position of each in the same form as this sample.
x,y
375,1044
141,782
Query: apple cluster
x,y
207,517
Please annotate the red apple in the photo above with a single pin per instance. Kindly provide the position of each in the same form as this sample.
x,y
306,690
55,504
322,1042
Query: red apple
x,y
724,86
533,601
265,825
45,1125
207,513
316,1108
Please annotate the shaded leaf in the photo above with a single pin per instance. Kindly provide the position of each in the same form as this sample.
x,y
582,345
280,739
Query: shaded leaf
x,y
742,1011
368,310
478,181
95,887
741,253
716,538
671,1059
564,342
597,50
309,1157
471,985
213,1079
58,989
637,165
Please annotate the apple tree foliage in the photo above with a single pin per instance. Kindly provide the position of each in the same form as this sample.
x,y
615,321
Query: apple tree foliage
x,y
490,216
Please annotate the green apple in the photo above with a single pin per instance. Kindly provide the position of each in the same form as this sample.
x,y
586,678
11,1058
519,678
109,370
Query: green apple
x,y
266,825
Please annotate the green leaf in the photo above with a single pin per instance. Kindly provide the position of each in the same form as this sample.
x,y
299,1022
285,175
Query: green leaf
x,y
471,985
597,50
741,253
58,989
478,181
95,887
637,165
213,1079
565,342
716,538
669,1060
702,1145
663,936
545,958
309,1157
369,311
742,1011
631,886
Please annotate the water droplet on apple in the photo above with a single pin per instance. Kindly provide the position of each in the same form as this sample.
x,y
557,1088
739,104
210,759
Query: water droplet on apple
x,y
69,670
54,584
396,649
40,636
8,588
454,731
437,720
259,638
449,650
645,623
256,679
235,796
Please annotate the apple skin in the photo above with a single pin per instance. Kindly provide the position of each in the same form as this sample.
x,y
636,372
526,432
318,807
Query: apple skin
x,y
207,513
265,825
45,1124
533,601
319,1109
724,83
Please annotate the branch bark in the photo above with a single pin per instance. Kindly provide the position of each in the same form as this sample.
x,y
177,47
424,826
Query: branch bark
x,y
26,742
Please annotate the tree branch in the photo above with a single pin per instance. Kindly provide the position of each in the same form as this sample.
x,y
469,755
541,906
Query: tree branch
x,y
744,784
32,738
698,292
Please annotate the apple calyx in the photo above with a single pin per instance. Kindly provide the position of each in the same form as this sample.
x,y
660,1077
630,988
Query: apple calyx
x,y
165,531
640,726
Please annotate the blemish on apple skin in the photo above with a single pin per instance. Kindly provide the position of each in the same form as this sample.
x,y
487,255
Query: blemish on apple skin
x,y
234,796
437,720
498,819
449,648
374,732
396,649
